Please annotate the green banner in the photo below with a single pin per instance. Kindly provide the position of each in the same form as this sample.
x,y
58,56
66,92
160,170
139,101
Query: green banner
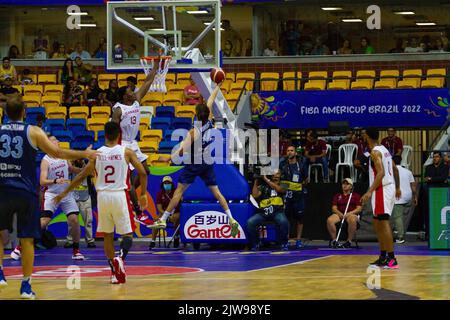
x,y
439,218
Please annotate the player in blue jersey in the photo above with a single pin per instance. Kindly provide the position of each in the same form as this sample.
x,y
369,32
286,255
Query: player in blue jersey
x,y
197,167
19,186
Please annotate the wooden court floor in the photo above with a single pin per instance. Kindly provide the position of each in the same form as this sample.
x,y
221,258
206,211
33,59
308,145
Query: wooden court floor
x,y
315,273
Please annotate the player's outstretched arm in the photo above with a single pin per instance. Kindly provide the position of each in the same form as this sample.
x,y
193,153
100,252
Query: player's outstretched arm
x,y
87,171
117,115
43,181
211,100
148,81
131,158
40,140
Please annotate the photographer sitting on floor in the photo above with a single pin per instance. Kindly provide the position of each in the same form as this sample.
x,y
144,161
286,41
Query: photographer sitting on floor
x,y
268,192
339,203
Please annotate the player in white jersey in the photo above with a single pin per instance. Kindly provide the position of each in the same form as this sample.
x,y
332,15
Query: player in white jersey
x,y
384,188
112,184
127,113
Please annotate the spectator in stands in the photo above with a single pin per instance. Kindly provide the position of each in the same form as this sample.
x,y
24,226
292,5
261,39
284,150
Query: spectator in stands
x,y
271,51
437,172
403,204
346,47
393,143
228,49
112,93
101,53
132,52
366,48
445,43
268,192
7,70
291,40
319,48
399,46
413,46
79,52
248,52
293,179
306,39
40,47
82,71
351,137
25,77
61,53
165,194
316,152
229,34
8,90
66,72
14,53
339,204
101,46
92,93
73,93
334,39
438,46
191,94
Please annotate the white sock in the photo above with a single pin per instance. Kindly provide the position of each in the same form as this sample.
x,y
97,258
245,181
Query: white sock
x,y
228,213
166,215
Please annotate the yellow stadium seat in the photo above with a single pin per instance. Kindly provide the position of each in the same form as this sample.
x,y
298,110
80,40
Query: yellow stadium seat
x,y
173,99
184,83
341,80
18,87
96,124
140,79
232,99
170,78
237,87
144,124
56,112
32,100
53,89
104,79
431,83
153,99
289,85
226,85
47,79
317,80
269,81
362,84
101,112
185,111
152,135
388,79
183,77
148,146
155,160
409,83
124,76
435,74
230,76
33,78
176,88
411,78
103,86
33,89
247,77
81,112
51,101
64,145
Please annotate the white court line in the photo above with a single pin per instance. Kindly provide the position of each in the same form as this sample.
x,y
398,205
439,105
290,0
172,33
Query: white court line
x,y
289,264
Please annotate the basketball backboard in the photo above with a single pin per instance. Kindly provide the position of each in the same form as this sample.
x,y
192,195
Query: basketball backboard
x,y
188,31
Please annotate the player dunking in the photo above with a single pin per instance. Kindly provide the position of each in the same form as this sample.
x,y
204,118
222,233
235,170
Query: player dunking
x,y
128,115
19,186
112,184
205,171
384,188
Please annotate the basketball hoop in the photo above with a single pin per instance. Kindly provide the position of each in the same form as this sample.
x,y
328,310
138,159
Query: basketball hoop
x,y
159,83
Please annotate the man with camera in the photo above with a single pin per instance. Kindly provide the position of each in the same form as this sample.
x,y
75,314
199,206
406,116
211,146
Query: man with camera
x,y
293,178
268,193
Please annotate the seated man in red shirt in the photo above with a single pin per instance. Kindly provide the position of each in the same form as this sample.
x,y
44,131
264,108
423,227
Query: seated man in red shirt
x,y
162,202
316,152
393,143
191,94
340,201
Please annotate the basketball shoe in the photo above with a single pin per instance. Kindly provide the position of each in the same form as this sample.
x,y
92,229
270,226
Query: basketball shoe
x,y
3,282
25,290
158,224
391,263
380,262
119,269
77,255
16,253
143,219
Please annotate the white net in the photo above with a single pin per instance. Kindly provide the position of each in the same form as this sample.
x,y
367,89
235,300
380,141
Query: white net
x,y
159,83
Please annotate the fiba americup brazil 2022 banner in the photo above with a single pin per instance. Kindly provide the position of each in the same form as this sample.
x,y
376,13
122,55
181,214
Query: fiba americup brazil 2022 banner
x,y
361,108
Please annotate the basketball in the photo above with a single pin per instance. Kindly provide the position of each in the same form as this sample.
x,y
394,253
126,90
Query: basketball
x,y
217,75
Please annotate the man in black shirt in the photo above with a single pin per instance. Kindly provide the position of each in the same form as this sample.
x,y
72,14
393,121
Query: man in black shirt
x,y
437,172
7,88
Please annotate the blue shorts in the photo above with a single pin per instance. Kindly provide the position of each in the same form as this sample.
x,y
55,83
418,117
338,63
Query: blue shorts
x,y
26,206
204,171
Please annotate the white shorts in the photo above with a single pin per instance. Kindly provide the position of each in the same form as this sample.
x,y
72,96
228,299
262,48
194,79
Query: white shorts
x,y
114,210
67,205
134,146
383,200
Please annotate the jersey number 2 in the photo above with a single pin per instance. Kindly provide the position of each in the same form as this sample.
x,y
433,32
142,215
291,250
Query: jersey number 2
x,y
109,172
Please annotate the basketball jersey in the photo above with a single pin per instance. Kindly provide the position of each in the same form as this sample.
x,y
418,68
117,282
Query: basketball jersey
x,y
112,169
205,134
386,160
130,120
17,158
57,169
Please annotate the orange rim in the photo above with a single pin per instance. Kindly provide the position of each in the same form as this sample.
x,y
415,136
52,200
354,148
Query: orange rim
x,y
150,58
